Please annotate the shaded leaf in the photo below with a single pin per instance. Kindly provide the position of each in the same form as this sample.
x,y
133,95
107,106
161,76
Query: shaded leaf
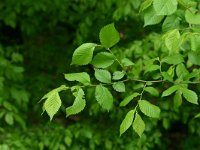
x,y
173,59
190,95
170,90
177,99
151,90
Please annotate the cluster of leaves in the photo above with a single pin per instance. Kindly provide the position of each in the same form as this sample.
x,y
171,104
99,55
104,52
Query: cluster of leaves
x,y
11,74
172,57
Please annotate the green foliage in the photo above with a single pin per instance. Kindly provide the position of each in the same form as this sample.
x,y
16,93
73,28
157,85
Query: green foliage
x,y
153,71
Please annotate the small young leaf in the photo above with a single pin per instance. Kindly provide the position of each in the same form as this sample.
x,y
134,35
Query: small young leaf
x,y
52,103
177,99
172,41
103,76
128,99
104,97
192,17
151,90
109,36
119,86
83,54
170,90
127,62
165,7
138,125
145,5
78,105
103,60
9,118
117,75
151,18
149,109
126,123
82,77
173,59
190,95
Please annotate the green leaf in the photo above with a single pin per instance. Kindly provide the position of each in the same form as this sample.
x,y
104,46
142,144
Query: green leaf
x,y
181,71
82,77
109,36
127,62
126,123
197,115
172,41
104,97
173,59
127,99
177,99
170,90
9,118
138,125
102,75
150,68
151,90
171,22
194,58
52,103
103,60
165,7
149,109
78,105
190,95
117,75
167,77
192,16
83,54
119,86
151,18
145,5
